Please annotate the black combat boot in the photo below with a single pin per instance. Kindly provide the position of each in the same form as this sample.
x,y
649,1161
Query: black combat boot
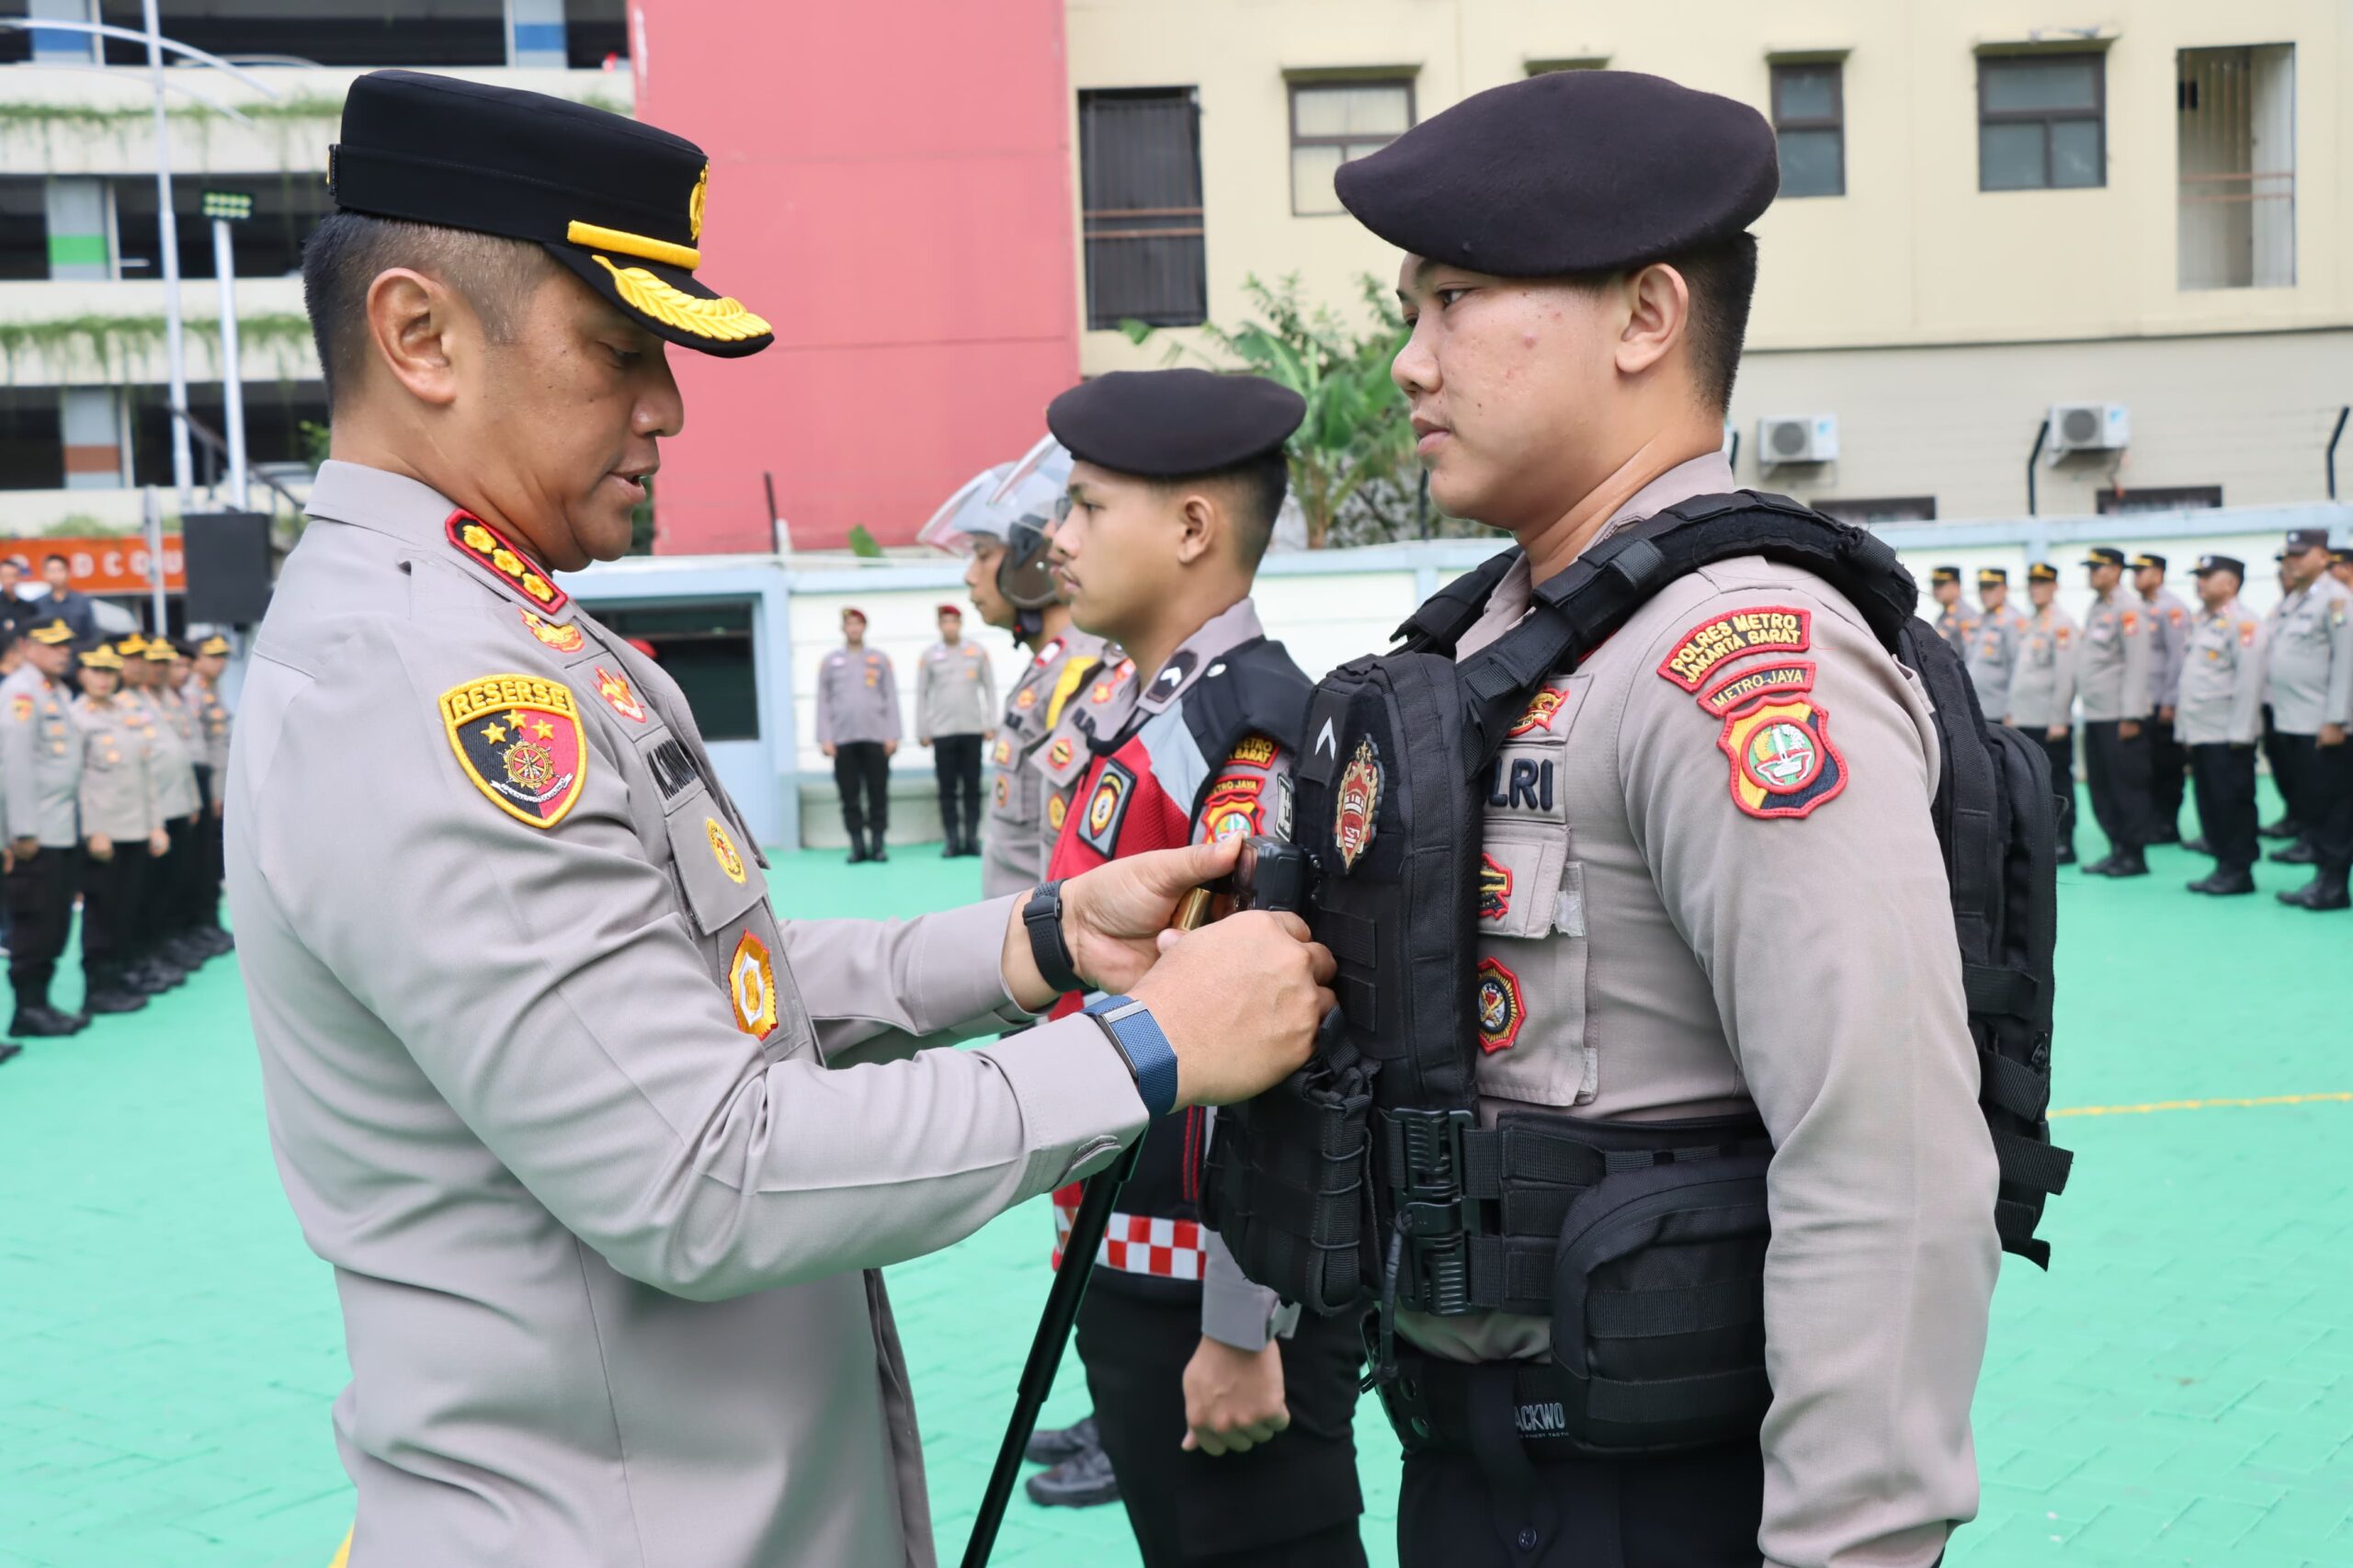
x,y
2226,882
2286,827
2297,853
858,844
38,1020
2197,845
875,850
110,992
2327,890
2128,861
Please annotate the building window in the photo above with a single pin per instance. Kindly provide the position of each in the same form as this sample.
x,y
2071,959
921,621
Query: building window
x,y
1140,169
1332,122
2168,498
1810,121
33,439
1884,509
428,33
275,414
2041,122
2235,119
24,228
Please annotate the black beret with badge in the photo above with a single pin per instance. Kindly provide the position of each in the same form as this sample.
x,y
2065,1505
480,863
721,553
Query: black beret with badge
x,y
1569,172
619,203
1174,423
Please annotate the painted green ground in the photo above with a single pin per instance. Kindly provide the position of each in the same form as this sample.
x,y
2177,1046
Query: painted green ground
x,y
2180,1391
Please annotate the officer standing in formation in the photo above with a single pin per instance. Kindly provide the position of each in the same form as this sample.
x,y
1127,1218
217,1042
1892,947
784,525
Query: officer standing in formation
x,y
2217,717
1665,943
2308,682
1993,653
40,754
2041,700
2340,566
955,697
124,838
548,1082
857,726
2112,677
1954,623
215,724
2168,621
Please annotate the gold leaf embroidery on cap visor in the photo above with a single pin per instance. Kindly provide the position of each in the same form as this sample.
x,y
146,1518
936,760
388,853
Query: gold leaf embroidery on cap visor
x,y
723,318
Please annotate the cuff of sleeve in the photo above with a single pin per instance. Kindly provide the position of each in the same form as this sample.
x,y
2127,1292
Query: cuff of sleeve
x,y
1079,1103
964,972
1233,1311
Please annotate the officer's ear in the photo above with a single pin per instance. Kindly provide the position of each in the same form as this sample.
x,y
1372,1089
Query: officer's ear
x,y
1657,305
1200,520
410,320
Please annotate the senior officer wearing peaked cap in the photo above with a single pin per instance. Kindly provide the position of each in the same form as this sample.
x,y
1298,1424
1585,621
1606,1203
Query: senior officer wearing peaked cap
x,y
1663,945
550,1085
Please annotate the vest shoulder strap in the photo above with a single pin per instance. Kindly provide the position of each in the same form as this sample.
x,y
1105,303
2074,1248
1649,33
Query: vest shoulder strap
x,y
1253,688
1446,614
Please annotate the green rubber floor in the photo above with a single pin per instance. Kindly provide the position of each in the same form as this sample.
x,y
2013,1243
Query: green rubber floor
x,y
2178,1390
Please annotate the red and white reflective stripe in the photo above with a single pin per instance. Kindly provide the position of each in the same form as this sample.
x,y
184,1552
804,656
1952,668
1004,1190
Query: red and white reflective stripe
x,y
1139,1243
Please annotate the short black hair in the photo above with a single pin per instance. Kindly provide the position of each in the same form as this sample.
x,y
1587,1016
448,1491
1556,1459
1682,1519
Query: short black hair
x,y
1254,491
348,251
59,559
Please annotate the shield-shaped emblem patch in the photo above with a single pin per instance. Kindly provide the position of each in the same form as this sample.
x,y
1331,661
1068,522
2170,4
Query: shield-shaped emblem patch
x,y
518,737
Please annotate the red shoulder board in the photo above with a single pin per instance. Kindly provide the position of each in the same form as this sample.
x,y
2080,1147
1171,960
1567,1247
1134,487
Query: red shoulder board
x,y
496,554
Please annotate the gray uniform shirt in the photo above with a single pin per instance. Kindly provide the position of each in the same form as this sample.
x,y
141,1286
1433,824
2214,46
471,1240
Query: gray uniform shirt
x,y
858,697
41,752
1669,937
2042,680
2113,677
120,791
2169,621
1992,656
2309,670
1070,673
955,691
2220,695
173,737
564,1104
215,724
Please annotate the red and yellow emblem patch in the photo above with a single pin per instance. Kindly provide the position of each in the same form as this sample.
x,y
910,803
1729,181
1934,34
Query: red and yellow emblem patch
x,y
1255,751
1739,690
22,707
1003,753
1106,804
1782,762
751,987
518,739
1502,1008
2247,636
563,639
1494,888
1026,698
1764,628
1543,707
1003,788
1059,751
1233,810
1358,810
492,551
614,688
723,850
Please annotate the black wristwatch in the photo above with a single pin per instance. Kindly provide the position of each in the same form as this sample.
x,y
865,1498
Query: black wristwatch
x,y
1043,915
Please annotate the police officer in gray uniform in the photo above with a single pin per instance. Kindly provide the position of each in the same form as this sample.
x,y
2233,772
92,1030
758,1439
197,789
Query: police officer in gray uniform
x,y
2041,699
549,1082
1993,652
2217,716
2309,671
2113,679
1955,624
123,836
166,957
859,727
955,706
40,754
215,723
2169,621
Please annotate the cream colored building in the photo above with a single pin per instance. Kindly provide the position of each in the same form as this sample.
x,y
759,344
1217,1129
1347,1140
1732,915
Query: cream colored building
x,y
2171,240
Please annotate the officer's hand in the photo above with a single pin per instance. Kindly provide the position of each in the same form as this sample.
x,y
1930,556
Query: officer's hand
x,y
2332,734
2128,729
2165,715
216,807
1112,917
890,748
1240,1001
26,847
923,740
1234,1399
159,842
826,747
2056,732
101,846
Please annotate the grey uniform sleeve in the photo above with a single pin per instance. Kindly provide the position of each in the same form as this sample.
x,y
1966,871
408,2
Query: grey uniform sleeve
x,y
2067,660
923,697
1827,938
988,694
2140,659
545,981
894,727
876,990
2174,627
2337,708
2246,688
17,764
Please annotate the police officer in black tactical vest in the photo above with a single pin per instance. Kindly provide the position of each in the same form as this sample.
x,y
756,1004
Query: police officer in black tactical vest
x,y
1710,914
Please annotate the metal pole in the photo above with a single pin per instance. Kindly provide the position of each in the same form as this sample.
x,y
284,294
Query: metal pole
x,y
232,389
2042,434
168,239
151,507
2334,436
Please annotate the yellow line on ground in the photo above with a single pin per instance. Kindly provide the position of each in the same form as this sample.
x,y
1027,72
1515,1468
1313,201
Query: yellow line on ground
x,y
2340,1097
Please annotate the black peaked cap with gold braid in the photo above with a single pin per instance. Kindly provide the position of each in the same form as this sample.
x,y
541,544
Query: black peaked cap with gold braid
x,y
617,202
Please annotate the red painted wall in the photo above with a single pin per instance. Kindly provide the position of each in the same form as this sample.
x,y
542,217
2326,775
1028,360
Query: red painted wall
x,y
891,188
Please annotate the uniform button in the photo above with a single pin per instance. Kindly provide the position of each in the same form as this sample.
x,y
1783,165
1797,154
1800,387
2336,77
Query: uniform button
x,y
1527,1539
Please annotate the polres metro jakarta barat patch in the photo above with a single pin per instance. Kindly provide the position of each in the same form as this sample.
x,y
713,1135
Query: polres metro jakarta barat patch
x,y
1764,628
519,740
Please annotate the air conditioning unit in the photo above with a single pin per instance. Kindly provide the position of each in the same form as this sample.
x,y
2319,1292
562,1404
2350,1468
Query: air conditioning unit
x,y
2089,427
1802,438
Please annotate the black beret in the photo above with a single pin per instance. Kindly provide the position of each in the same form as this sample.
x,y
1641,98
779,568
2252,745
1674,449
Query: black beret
x,y
1174,423
2230,563
1569,172
2104,555
617,202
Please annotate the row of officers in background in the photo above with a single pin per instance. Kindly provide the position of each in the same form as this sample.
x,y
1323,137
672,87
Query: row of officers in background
x,y
113,757
2173,694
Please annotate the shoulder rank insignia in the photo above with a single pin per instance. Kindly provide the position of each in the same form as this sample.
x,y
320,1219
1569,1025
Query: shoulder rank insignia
x,y
518,739
1764,628
491,550
1358,811
1494,888
1233,809
751,987
1782,762
1502,1009
563,639
614,689
1050,653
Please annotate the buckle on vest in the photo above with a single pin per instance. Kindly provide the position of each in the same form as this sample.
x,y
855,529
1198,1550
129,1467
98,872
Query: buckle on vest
x,y
1433,1215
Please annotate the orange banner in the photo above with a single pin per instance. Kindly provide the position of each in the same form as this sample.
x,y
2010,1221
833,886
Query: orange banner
x,y
104,565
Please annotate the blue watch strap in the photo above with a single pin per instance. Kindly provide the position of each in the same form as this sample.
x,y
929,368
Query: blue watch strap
x,y
1151,1057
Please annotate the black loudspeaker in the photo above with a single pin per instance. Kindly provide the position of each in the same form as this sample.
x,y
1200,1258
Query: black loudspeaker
x,y
227,558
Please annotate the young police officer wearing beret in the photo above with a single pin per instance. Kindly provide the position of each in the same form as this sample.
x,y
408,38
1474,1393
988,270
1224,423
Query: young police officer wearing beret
x,y
549,1082
1674,937
2217,716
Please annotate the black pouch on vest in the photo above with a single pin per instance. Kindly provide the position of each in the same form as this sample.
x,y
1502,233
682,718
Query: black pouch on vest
x,y
1302,1201
1658,1307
